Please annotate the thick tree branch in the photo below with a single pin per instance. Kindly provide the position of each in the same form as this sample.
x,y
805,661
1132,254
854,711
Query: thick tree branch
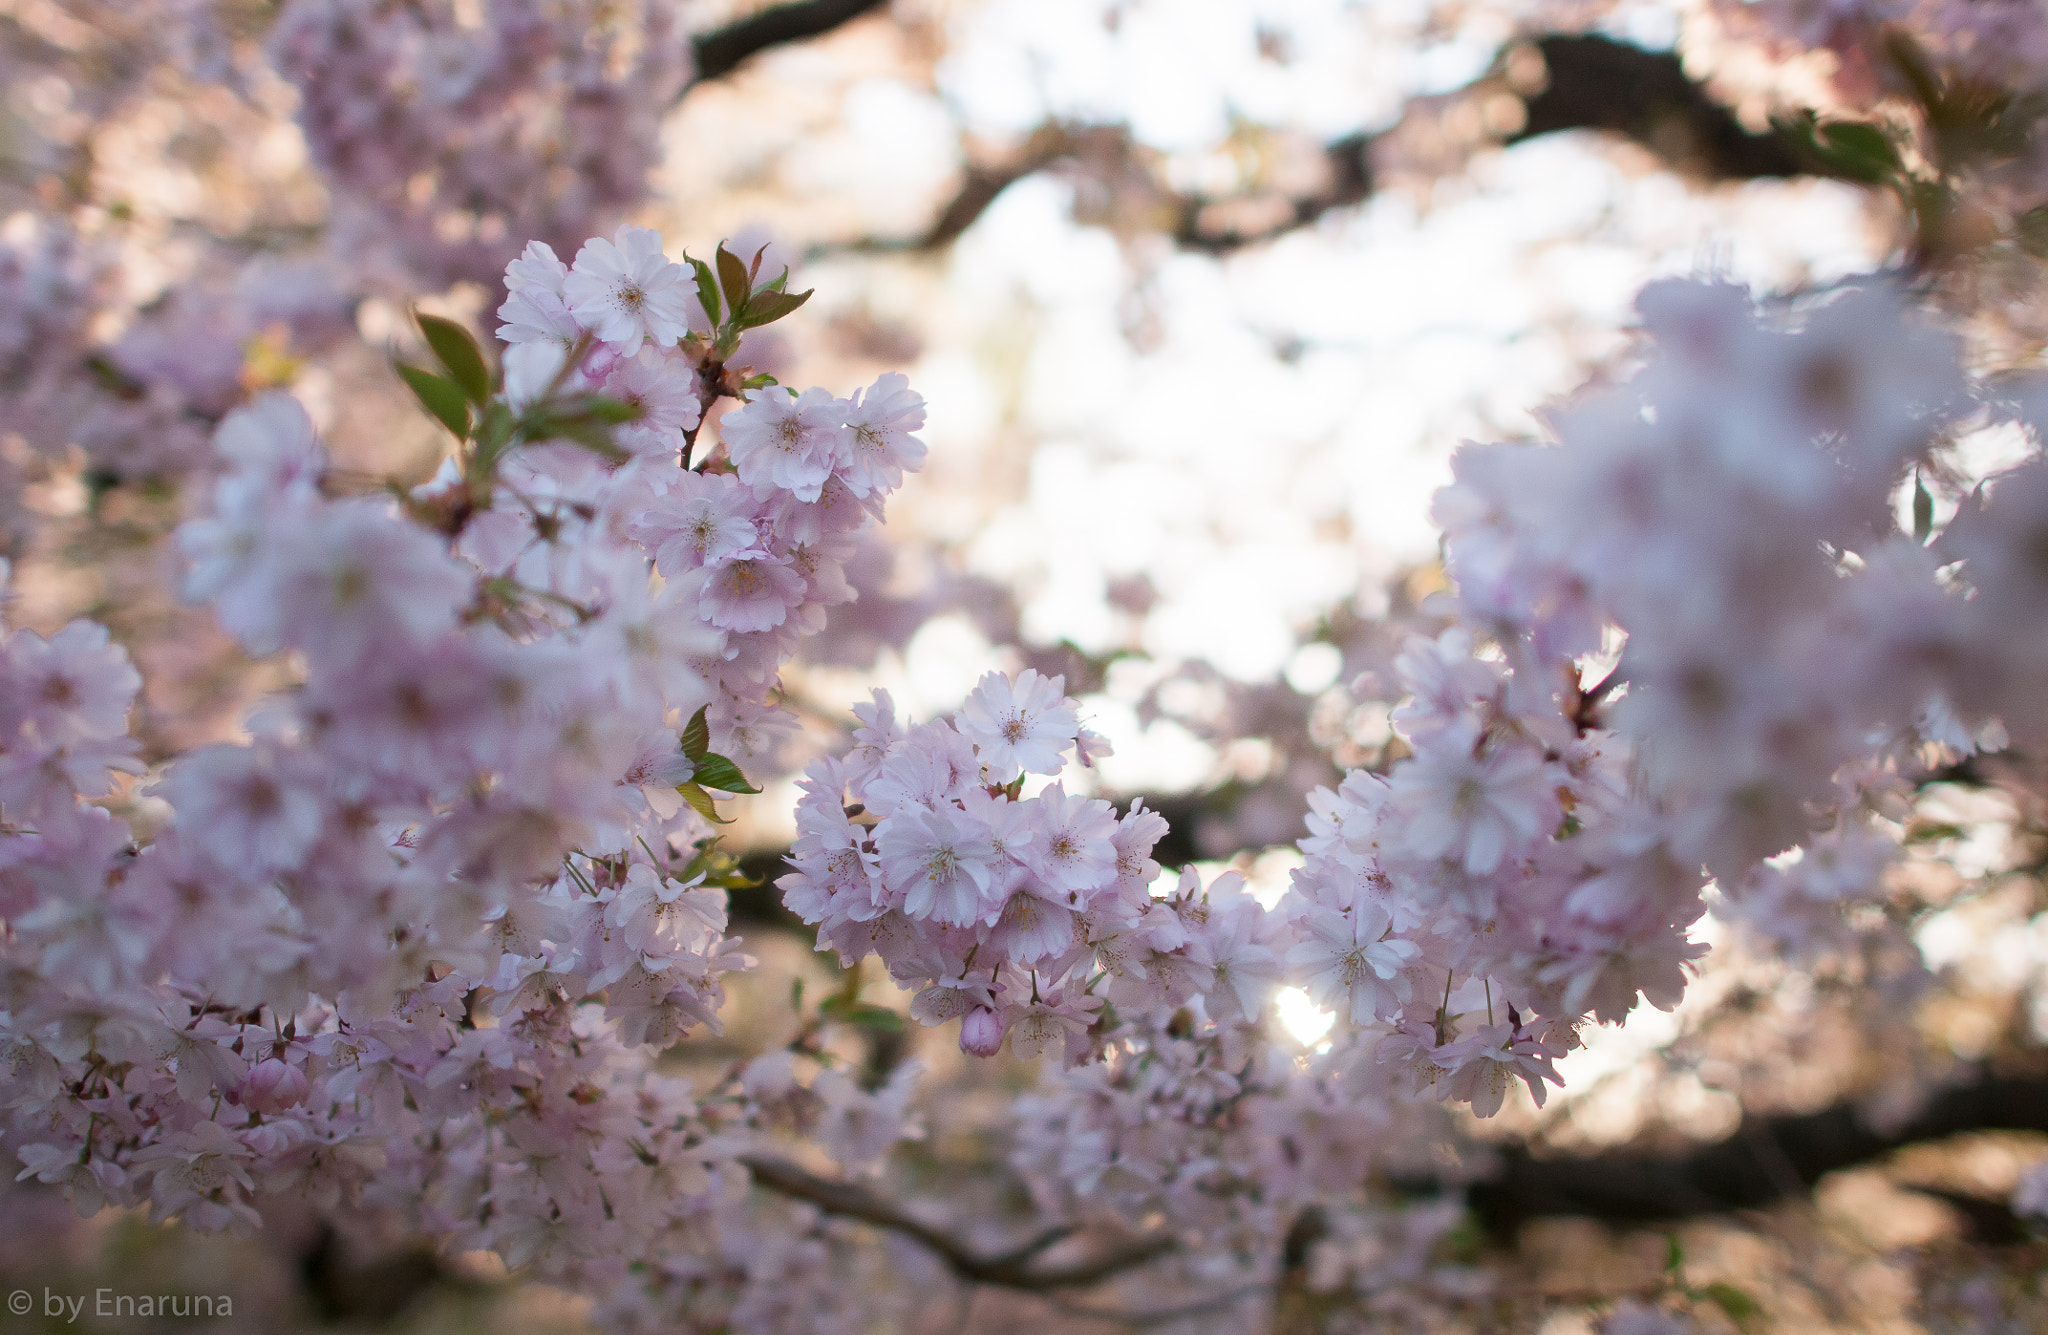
x,y
722,50
1010,1270
1768,1159
1597,83
1563,82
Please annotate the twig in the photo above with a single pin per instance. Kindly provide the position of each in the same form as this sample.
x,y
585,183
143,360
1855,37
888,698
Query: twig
x,y
1010,1270
722,50
1767,1159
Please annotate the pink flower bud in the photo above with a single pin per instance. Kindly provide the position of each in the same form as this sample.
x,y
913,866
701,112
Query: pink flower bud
x,y
273,1085
981,1033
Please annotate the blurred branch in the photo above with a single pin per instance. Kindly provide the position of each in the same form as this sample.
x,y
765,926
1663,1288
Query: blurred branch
x,y
1767,1159
1559,82
1013,1269
723,50
344,1288
1596,83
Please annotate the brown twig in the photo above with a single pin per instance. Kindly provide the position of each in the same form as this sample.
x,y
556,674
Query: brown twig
x,y
1767,1159
1584,82
1011,1270
722,50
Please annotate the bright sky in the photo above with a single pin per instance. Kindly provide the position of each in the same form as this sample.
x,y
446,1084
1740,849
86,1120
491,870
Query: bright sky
x,y
1270,448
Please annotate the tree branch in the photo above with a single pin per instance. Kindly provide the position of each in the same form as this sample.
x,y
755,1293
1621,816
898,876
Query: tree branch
x,y
1767,1159
1583,82
1596,83
1010,1270
723,50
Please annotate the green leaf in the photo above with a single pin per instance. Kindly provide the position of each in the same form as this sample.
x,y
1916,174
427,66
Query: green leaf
x,y
1863,147
880,1019
1674,1255
707,292
495,436
732,276
717,867
584,421
1852,150
610,410
113,379
1923,511
796,993
595,438
715,771
1738,1305
766,307
697,736
761,381
459,353
440,396
702,803
495,431
592,435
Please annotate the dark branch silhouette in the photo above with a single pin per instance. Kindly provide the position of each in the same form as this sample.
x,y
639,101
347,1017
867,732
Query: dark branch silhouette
x,y
1597,83
1585,83
1014,1269
722,50
1766,1160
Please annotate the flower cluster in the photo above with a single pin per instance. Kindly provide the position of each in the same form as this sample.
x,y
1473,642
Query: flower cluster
x,y
448,139
1027,918
416,941
1692,637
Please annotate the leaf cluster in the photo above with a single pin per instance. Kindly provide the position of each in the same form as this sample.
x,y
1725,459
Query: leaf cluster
x,y
1941,129
736,300
466,396
714,772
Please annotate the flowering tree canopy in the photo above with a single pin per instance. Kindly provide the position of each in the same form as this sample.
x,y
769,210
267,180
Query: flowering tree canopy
x,y
365,870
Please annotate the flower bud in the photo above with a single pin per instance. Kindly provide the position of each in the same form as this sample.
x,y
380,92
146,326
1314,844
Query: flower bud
x,y
273,1085
981,1033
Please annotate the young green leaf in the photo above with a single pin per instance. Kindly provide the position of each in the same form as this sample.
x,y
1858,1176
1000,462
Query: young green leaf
x,y
697,735
1923,511
577,428
1739,1306
701,802
707,292
732,276
459,353
595,437
715,771
1860,150
610,410
766,307
880,1019
440,396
